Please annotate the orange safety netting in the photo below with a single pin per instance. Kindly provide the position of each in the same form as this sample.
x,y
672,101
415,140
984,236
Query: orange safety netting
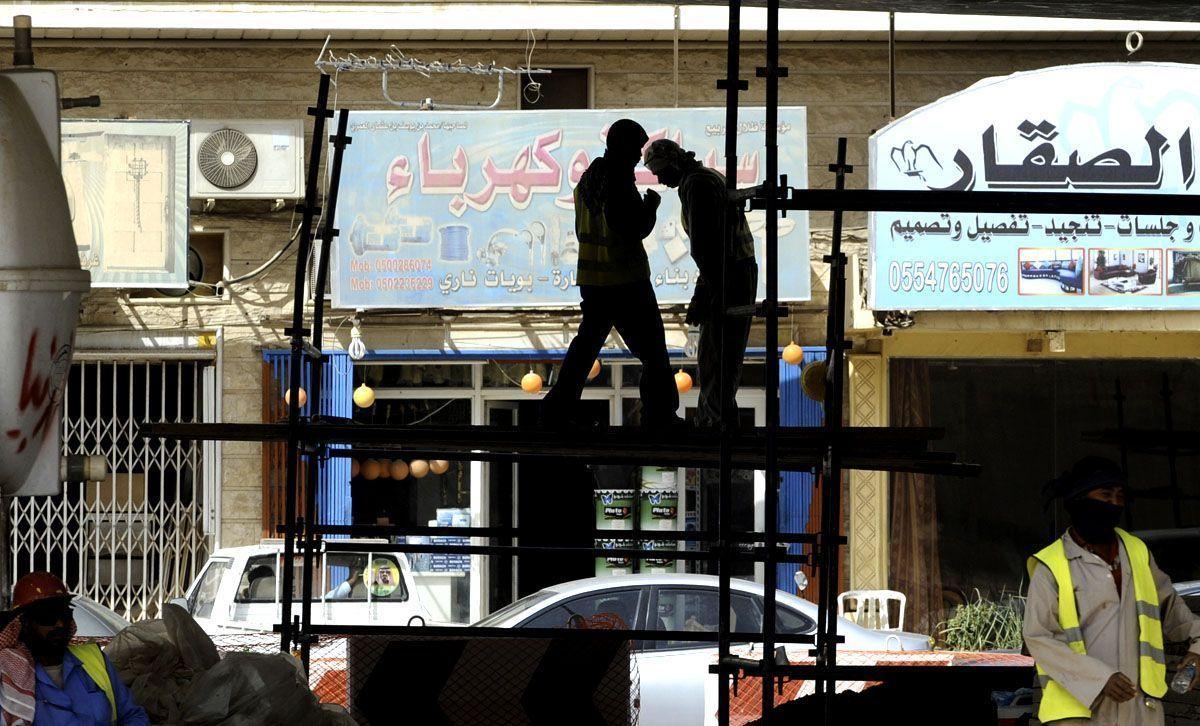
x,y
745,697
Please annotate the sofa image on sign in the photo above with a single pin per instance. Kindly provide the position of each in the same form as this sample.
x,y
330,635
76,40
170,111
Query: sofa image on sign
x,y
1125,272
1051,271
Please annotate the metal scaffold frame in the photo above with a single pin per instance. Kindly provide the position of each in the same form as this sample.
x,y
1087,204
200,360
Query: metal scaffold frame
x,y
828,450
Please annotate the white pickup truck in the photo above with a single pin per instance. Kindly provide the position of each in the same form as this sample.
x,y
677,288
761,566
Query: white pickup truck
x,y
240,589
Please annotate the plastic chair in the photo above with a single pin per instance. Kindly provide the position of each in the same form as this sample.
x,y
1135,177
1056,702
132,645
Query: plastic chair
x,y
871,610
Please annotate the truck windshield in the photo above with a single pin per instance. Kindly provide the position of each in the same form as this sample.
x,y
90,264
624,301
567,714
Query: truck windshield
x,y
343,577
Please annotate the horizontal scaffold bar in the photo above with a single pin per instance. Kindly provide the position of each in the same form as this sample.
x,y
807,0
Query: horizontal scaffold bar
x,y
800,448
932,676
890,200
399,530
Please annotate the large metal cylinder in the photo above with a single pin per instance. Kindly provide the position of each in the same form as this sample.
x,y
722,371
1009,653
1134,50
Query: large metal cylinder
x,y
41,286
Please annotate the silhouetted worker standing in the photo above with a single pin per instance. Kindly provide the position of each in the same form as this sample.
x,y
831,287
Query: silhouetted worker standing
x,y
611,220
709,215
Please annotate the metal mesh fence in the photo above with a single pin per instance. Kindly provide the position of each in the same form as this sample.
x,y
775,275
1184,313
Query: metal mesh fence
x,y
494,681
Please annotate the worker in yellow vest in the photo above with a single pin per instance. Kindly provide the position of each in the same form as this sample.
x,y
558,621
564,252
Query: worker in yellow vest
x,y
611,220
46,681
1099,611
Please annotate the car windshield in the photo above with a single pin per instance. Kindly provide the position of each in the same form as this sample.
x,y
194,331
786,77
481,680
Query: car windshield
x,y
527,602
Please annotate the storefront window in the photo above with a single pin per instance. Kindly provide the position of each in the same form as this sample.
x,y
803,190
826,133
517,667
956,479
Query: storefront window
x,y
1026,422
401,489
497,374
414,376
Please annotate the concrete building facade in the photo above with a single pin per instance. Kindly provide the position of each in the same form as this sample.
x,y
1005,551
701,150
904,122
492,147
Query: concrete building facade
x,y
256,63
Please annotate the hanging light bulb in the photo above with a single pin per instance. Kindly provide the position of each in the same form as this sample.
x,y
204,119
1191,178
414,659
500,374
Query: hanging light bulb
x,y
357,350
793,353
531,382
385,469
683,381
439,466
302,395
595,371
364,396
399,469
370,470
355,467
419,468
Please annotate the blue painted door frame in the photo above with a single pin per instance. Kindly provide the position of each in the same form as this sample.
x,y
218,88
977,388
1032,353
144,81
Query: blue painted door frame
x,y
796,489
337,382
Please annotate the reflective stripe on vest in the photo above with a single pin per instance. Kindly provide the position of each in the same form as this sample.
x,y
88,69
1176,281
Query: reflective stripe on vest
x,y
605,258
92,660
1057,702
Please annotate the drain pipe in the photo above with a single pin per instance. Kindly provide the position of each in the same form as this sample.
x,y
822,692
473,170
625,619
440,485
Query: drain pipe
x,y
23,41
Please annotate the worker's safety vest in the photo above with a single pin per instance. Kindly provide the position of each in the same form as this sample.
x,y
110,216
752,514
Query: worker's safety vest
x,y
606,258
94,665
1057,702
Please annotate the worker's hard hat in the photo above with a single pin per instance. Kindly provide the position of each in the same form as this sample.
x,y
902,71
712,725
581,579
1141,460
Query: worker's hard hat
x,y
38,586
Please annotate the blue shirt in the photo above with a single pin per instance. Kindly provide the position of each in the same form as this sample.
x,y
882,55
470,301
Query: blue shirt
x,y
80,702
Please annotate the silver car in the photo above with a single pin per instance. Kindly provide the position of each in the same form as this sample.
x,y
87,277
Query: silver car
x,y
674,675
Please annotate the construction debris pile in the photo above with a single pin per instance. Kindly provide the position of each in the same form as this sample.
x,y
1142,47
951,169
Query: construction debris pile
x,y
176,674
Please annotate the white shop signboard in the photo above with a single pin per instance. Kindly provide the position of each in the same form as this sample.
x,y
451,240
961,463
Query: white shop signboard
x,y
1103,127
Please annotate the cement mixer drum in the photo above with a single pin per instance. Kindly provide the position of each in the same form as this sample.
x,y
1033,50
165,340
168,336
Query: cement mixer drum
x,y
41,287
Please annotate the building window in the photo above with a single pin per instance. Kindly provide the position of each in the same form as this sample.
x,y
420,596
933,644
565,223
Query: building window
x,y
562,88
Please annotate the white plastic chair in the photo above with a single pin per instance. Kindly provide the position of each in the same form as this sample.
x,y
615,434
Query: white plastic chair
x,y
870,608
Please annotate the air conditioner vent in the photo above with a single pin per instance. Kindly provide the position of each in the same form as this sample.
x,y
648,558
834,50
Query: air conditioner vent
x,y
227,158
247,159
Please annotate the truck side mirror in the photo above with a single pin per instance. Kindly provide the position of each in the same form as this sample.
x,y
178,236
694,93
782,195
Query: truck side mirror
x,y
181,602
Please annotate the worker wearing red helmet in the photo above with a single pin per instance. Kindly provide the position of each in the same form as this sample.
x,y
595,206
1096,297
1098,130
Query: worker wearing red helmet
x,y
46,680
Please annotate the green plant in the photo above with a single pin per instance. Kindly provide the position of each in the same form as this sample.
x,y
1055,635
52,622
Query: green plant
x,y
984,624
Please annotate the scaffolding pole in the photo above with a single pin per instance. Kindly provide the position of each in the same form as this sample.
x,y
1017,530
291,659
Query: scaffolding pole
x,y
732,84
299,348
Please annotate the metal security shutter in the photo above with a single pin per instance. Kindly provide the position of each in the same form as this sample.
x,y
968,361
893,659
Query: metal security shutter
x,y
138,538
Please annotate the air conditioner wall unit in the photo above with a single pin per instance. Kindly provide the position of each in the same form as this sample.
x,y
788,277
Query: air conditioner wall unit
x,y
247,159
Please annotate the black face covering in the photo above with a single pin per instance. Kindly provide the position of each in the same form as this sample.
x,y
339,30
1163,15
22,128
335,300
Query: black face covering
x,y
1094,520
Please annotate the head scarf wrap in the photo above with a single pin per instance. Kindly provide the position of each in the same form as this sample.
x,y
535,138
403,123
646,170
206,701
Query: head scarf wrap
x,y
1089,473
665,152
17,675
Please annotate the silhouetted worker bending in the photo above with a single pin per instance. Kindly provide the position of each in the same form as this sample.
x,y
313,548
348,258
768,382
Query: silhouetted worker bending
x,y
611,220
710,218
